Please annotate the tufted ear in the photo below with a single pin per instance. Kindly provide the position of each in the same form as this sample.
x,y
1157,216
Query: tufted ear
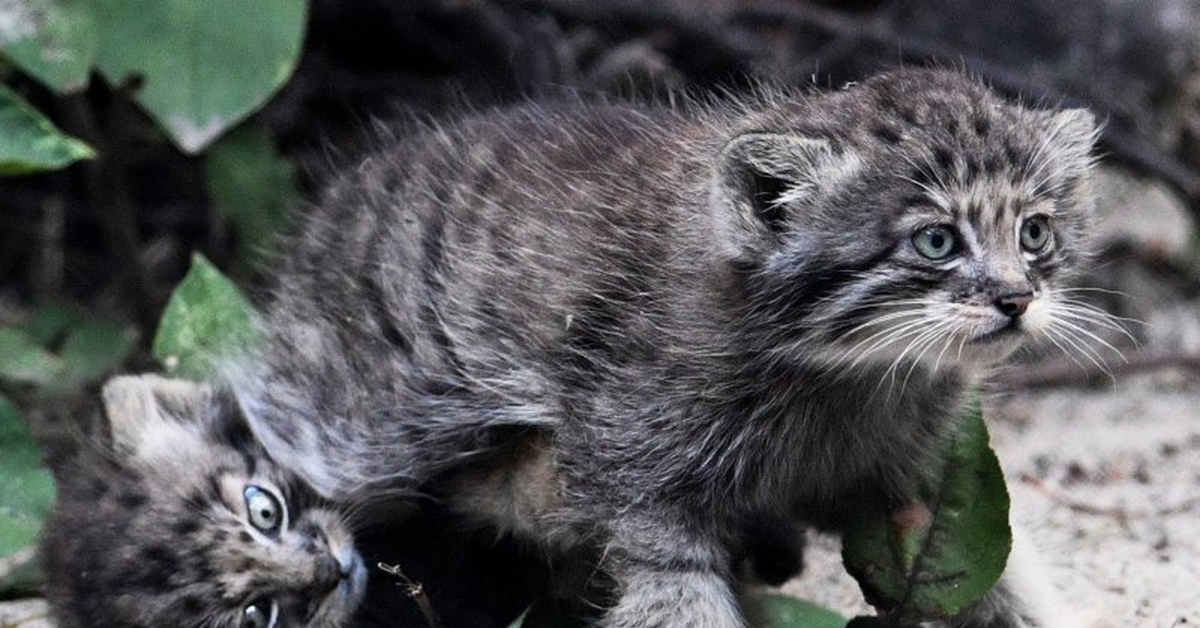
x,y
761,179
147,413
1073,134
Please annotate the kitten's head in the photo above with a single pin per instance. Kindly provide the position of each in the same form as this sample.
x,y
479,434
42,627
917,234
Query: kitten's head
x,y
183,520
916,218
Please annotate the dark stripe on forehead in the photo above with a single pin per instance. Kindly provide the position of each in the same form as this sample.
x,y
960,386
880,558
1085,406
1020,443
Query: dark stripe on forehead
x,y
982,123
973,166
974,211
1002,215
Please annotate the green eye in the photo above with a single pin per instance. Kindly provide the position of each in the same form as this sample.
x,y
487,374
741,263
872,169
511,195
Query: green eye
x,y
936,242
264,510
259,614
1035,233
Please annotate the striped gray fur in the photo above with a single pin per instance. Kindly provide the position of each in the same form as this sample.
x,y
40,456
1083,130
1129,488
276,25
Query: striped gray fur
x,y
711,315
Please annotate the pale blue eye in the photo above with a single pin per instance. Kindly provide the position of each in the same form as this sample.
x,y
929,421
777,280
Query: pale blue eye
x,y
1035,233
259,614
263,510
936,241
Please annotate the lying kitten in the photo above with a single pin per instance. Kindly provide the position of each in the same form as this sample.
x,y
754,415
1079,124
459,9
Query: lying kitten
x,y
184,521
700,320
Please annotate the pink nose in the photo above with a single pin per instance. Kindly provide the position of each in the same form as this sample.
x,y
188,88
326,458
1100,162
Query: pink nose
x,y
1014,304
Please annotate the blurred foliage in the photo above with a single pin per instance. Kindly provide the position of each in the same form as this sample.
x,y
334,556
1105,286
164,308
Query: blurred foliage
x,y
29,142
198,67
201,66
55,351
54,41
253,186
59,349
25,489
206,321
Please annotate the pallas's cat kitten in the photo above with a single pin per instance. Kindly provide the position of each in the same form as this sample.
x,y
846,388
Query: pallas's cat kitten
x,y
702,316
182,520
685,322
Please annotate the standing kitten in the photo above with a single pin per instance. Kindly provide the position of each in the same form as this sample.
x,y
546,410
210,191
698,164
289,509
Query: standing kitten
x,y
184,521
707,319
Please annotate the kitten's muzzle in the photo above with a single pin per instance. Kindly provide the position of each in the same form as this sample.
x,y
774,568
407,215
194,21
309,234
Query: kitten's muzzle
x,y
327,574
1013,304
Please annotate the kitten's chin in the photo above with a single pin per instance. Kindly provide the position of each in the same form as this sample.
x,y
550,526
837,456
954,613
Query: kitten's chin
x,y
994,346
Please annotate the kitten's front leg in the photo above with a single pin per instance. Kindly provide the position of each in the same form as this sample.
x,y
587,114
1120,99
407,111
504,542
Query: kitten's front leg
x,y
667,577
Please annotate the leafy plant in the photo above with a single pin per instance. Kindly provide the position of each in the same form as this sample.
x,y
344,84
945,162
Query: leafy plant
x,y
947,547
252,186
200,67
206,321
26,491
29,142
56,350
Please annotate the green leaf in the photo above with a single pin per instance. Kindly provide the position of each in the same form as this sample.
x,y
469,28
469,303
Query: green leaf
x,y
21,575
23,360
29,142
203,66
94,347
59,349
253,186
774,610
26,492
940,553
206,320
55,41
49,322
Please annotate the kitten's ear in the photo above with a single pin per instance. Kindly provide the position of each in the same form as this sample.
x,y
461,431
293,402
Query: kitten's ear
x,y
761,178
142,409
1074,132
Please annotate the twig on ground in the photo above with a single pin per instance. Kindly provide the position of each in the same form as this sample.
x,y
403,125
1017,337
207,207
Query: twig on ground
x,y
1121,514
1067,372
414,590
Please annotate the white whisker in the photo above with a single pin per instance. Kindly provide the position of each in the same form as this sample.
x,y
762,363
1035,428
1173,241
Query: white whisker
x,y
1081,347
1083,332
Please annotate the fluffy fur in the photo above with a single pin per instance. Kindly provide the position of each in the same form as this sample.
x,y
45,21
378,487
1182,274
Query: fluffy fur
x,y
702,318
153,528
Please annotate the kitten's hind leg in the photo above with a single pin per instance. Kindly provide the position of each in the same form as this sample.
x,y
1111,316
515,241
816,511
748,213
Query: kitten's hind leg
x,y
655,598
667,578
